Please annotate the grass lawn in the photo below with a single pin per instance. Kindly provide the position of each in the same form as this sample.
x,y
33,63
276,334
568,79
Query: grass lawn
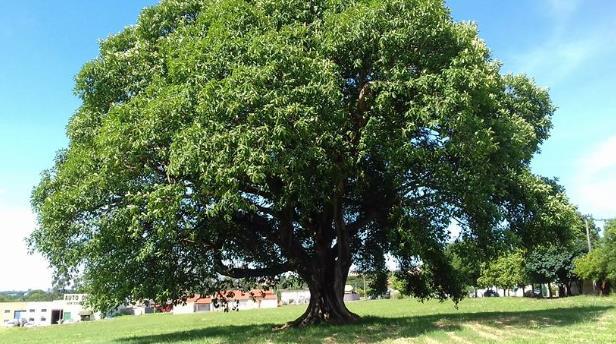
x,y
581,319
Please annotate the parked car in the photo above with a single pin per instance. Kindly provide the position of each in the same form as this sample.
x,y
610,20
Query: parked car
x,y
12,323
18,323
490,293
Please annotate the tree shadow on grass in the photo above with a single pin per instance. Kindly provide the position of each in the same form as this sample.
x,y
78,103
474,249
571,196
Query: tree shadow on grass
x,y
373,329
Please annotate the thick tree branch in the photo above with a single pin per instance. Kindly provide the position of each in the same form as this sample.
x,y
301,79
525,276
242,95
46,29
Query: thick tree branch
x,y
298,257
361,222
251,273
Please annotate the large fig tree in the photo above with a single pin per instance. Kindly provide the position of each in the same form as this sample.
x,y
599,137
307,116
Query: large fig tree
x,y
226,140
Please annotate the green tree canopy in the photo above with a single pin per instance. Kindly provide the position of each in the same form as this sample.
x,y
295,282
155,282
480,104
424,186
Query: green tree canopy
x,y
600,263
229,140
506,272
513,273
554,264
467,261
488,277
594,266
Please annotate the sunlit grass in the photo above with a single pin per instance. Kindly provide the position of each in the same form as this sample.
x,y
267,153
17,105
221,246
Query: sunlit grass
x,y
509,320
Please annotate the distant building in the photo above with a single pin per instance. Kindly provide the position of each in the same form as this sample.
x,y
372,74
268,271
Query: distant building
x,y
294,297
236,299
69,309
350,294
302,296
534,290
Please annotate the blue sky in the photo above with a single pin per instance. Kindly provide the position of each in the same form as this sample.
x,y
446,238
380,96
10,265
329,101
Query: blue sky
x,y
568,46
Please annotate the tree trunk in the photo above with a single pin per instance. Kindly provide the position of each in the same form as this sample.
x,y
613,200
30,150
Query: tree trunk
x,y
580,287
549,290
326,272
603,288
523,291
326,304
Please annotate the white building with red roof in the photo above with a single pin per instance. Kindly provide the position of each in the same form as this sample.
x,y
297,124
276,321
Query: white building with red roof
x,y
235,300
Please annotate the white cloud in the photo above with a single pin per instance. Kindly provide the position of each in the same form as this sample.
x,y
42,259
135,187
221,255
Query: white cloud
x,y
595,181
566,49
18,270
562,9
602,157
558,58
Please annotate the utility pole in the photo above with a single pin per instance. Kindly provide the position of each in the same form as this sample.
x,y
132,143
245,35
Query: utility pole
x,y
594,286
588,234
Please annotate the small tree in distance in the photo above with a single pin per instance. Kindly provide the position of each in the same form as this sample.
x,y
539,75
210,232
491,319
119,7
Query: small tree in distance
x,y
594,266
513,274
506,272
599,265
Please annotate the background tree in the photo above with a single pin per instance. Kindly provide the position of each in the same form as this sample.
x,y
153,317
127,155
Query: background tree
x,y
564,268
363,283
553,264
378,284
506,272
489,276
594,266
466,260
540,266
30,295
397,284
512,271
599,265
227,142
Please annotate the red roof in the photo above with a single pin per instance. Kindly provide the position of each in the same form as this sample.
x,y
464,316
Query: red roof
x,y
233,295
